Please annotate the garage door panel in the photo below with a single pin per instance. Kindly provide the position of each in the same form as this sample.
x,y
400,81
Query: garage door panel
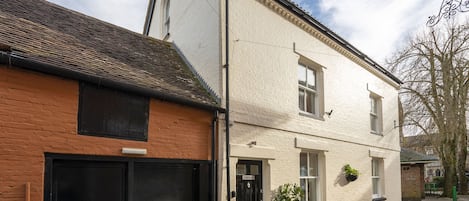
x,y
89,181
164,182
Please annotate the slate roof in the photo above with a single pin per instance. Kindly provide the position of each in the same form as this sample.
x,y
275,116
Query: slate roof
x,y
409,156
46,33
416,142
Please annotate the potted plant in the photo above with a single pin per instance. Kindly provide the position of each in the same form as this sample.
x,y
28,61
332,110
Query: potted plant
x,y
289,192
351,174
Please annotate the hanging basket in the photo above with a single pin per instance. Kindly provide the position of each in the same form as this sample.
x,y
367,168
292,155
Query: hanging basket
x,y
351,174
351,177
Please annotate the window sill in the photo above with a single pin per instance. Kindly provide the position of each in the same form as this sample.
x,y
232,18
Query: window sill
x,y
305,114
379,199
376,133
143,138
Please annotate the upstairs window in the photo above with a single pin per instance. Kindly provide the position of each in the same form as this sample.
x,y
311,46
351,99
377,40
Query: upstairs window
x,y
375,114
166,21
111,113
428,150
308,90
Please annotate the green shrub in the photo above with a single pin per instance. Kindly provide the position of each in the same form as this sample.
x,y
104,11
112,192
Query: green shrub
x,y
439,181
350,171
289,192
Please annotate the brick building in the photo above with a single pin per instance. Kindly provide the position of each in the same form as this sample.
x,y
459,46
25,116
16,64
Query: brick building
x,y
91,111
422,144
412,174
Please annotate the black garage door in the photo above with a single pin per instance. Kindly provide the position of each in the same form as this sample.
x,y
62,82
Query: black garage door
x,y
85,178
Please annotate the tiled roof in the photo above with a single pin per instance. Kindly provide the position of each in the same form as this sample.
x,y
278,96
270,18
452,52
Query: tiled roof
x,y
409,156
43,32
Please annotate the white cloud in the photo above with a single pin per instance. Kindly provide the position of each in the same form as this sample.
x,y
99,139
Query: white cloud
x,y
377,28
305,5
129,14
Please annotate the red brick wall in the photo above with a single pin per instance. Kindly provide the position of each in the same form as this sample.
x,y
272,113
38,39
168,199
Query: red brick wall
x,y
412,182
38,113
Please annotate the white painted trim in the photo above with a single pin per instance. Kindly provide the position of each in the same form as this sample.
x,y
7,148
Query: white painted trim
x,y
134,151
374,90
311,144
254,151
377,153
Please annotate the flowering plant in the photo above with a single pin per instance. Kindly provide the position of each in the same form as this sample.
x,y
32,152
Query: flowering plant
x,y
289,192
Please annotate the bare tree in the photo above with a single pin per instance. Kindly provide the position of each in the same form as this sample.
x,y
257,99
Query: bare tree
x,y
435,70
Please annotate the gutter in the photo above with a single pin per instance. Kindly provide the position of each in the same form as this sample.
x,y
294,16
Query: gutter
x,y
14,60
333,36
417,162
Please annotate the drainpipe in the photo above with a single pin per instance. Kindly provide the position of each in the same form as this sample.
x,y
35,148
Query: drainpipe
x,y
214,180
149,17
227,102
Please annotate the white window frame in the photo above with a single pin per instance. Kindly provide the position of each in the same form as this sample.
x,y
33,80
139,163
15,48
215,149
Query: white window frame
x,y
376,113
428,150
165,19
317,91
377,174
310,177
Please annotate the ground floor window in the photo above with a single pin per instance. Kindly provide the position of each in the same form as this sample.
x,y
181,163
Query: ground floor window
x,y
83,178
309,175
376,176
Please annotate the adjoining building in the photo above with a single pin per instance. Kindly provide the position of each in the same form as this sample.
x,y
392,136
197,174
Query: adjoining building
x,y
422,145
303,102
91,111
413,174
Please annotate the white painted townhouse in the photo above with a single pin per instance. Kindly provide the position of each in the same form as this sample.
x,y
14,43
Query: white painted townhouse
x,y
303,102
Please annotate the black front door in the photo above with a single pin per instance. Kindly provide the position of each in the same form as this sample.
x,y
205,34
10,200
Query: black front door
x,y
249,180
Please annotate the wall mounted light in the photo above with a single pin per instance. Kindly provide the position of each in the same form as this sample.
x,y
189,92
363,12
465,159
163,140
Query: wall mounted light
x,y
134,151
329,113
252,143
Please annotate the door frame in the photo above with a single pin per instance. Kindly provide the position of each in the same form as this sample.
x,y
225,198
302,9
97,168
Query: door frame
x,y
260,163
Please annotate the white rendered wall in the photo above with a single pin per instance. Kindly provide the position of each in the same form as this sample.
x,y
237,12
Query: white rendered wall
x,y
264,107
264,97
195,29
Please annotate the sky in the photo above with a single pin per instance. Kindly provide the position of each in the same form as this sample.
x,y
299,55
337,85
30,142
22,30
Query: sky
x,y
129,14
376,27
